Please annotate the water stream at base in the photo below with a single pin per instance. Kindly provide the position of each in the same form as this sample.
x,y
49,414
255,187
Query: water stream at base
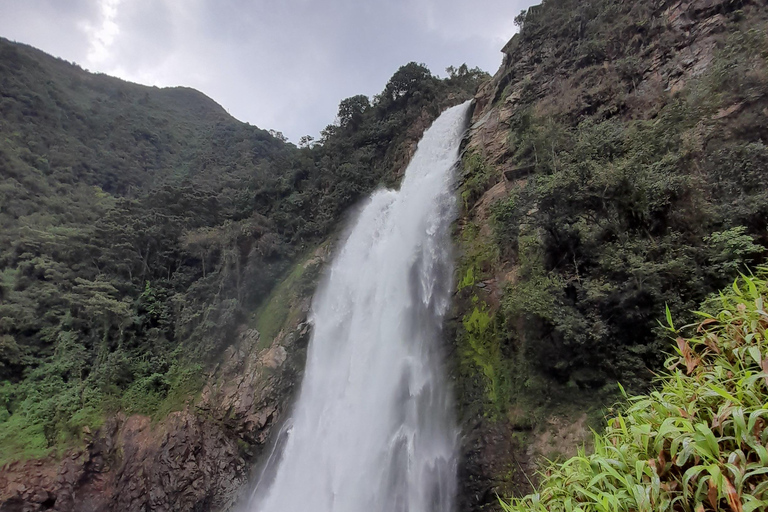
x,y
372,429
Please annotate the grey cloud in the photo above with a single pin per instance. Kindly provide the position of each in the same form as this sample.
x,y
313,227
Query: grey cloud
x,y
51,25
279,64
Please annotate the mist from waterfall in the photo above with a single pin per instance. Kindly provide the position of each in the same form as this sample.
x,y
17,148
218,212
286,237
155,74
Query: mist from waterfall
x,y
372,429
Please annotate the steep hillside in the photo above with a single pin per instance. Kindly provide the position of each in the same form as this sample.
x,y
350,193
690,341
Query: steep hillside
x,y
157,256
142,235
617,163
695,443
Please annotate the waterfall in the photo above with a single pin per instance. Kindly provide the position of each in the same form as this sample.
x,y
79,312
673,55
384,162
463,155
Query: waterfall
x,y
372,429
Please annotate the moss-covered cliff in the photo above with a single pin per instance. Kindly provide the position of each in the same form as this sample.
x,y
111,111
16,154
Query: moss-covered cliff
x,y
616,163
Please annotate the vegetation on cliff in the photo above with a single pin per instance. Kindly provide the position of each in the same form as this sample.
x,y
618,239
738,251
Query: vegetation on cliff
x,y
698,441
139,226
617,164
611,209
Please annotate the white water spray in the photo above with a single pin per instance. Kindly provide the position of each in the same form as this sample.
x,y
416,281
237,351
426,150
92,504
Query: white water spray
x,y
372,429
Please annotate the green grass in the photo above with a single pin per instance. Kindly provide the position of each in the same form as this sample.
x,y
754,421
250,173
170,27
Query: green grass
x,y
698,442
279,308
272,314
480,336
478,176
49,420
481,349
26,442
186,385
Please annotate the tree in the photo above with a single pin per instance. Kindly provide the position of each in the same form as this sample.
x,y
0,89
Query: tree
x,y
406,80
519,20
464,73
306,141
278,135
351,110
327,133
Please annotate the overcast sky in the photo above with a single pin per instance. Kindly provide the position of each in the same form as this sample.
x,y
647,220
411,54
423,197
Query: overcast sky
x,y
277,64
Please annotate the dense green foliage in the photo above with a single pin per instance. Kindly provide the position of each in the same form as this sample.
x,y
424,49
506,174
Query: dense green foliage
x,y
618,163
625,199
139,226
697,442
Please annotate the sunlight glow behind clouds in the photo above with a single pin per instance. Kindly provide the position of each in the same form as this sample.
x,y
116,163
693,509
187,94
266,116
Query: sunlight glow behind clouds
x,y
102,37
284,64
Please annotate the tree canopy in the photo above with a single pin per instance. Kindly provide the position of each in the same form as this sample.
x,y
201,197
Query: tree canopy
x,y
140,226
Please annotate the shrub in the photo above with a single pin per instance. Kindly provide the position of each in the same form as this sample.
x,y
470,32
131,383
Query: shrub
x,y
698,442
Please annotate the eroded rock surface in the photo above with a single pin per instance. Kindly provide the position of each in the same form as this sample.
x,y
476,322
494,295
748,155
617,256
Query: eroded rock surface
x,y
546,73
195,459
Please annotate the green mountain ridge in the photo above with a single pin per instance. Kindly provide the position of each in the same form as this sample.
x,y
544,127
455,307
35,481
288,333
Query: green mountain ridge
x,y
157,258
140,227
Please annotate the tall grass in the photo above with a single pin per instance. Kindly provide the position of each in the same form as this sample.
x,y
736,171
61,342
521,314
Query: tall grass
x,y
697,443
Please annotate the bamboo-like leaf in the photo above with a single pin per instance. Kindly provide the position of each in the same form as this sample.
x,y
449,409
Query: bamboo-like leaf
x,y
753,417
712,494
741,424
754,505
710,442
762,453
704,323
734,500
668,314
685,350
697,444
723,393
722,415
690,474
623,391
737,473
750,285
760,471
685,453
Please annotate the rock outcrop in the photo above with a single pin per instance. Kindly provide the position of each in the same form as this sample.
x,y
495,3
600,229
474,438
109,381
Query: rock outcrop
x,y
550,71
198,458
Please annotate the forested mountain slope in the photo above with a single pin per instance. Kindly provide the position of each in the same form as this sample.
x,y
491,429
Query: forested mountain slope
x,y
140,229
617,163
156,255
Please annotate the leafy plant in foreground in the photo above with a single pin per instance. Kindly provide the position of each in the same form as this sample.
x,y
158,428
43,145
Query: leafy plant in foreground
x,y
698,442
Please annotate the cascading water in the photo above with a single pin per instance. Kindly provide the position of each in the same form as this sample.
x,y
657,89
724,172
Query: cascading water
x,y
372,429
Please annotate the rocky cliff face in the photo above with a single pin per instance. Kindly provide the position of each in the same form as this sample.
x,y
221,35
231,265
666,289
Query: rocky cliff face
x,y
573,67
676,43
199,458
524,391
195,459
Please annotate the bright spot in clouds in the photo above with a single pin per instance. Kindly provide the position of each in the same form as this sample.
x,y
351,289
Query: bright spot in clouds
x,y
102,36
277,64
